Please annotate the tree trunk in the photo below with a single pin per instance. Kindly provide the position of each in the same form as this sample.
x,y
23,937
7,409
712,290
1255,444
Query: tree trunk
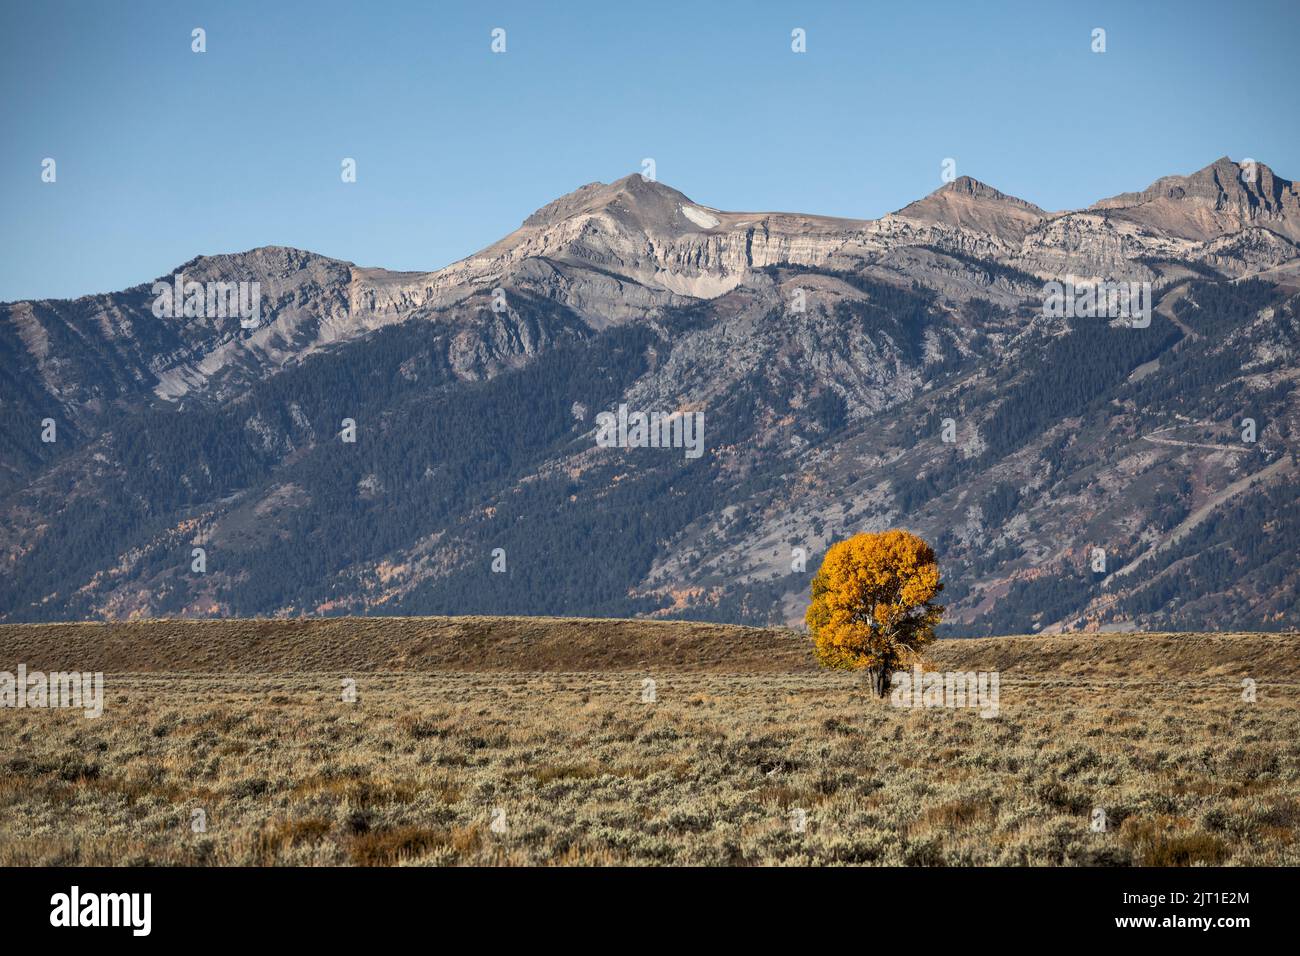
x,y
878,679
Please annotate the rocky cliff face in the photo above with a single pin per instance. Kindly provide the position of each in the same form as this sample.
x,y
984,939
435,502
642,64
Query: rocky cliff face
x,y
830,357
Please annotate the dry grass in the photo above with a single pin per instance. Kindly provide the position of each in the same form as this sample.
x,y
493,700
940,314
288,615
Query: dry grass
x,y
363,645
545,644
573,768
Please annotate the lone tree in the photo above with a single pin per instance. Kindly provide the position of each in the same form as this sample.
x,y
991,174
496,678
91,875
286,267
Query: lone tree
x,y
873,603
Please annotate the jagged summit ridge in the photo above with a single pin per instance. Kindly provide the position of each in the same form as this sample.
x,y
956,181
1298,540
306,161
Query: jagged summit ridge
x,y
616,252
1221,198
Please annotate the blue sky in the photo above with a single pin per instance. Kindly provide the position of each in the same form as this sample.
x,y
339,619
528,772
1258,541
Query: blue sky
x,y
163,154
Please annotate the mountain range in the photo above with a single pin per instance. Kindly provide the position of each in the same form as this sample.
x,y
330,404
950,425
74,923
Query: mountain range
x,y
425,443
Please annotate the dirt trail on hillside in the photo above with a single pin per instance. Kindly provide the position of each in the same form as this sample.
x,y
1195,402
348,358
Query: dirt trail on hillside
x,y
1204,511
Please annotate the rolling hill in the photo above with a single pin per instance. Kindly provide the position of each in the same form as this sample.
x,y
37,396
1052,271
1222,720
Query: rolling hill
x,y
392,645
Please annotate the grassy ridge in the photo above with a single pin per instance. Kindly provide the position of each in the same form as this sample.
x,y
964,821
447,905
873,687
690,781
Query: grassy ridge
x,y
1266,657
547,644
416,644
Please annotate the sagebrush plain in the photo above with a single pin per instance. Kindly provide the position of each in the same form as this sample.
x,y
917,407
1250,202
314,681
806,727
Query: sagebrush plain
x,y
479,742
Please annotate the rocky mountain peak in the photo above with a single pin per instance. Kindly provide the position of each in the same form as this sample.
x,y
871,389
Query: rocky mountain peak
x,y
969,186
633,199
1221,198
968,203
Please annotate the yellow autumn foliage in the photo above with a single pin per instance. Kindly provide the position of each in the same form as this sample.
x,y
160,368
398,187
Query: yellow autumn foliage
x,y
873,602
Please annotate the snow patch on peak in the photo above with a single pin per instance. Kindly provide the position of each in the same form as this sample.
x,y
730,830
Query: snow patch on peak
x,y
701,218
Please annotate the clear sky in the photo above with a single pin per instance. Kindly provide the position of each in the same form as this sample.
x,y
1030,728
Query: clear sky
x,y
164,154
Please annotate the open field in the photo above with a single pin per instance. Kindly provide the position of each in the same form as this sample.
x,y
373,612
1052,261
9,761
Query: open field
x,y
743,740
